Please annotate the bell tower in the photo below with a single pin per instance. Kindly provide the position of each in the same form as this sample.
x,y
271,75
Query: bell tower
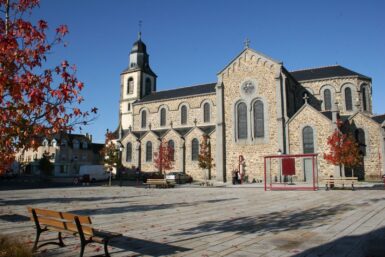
x,y
136,82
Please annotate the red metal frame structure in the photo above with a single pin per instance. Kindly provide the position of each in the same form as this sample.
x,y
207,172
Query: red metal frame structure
x,y
313,156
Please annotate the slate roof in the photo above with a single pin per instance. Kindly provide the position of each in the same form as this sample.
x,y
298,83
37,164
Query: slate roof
x,y
208,129
139,134
161,132
325,72
379,118
344,117
182,131
179,92
328,114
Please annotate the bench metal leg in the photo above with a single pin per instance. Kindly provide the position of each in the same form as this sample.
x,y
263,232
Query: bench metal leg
x,y
106,248
82,246
38,232
61,243
353,187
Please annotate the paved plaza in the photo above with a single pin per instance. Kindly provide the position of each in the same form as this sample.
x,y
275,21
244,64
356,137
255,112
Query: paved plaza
x,y
219,221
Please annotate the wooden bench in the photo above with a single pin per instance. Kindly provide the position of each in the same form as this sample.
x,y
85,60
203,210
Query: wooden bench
x,y
159,183
68,223
340,182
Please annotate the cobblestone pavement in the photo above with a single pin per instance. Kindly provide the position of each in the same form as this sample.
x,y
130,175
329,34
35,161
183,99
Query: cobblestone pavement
x,y
227,221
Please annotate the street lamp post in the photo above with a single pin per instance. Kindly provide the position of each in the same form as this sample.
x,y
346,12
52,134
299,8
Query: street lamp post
x,y
119,170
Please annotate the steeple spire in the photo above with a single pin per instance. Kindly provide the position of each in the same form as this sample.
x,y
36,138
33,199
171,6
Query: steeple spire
x,y
140,30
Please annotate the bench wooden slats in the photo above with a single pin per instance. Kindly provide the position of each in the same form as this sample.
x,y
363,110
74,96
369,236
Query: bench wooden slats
x,y
70,216
340,181
162,183
64,222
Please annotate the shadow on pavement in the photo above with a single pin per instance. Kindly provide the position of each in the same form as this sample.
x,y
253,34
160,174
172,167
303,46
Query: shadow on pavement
x,y
144,207
371,244
59,200
145,247
271,222
14,218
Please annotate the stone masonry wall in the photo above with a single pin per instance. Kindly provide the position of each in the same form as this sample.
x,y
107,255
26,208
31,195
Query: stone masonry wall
x,y
338,84
373,138
322,129
262,71
194,111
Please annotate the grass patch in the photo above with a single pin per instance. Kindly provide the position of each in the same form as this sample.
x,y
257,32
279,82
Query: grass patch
x,y
12,247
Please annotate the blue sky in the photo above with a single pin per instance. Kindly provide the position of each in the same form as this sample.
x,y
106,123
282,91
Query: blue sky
x,y
190,41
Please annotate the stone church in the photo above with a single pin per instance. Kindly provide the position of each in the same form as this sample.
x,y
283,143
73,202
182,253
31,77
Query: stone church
x,y
255,108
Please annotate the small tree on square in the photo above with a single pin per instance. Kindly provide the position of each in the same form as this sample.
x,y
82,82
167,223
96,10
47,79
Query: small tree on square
x,y
343,149
110,154
163,159
205,161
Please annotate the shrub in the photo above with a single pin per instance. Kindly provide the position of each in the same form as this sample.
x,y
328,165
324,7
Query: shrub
x,y
11,247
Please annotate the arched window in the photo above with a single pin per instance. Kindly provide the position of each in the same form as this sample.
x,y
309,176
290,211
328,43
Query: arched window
x,y
144,119
194,149
206,112
128,152
148,151
327,100
259,126
148,86
54,143
308,140
85,145
364,103
348,99
171,145
183,115
130,85
45,143
163,117
360,138
242,121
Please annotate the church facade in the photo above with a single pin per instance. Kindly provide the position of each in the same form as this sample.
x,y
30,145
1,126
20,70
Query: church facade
x,y
255,108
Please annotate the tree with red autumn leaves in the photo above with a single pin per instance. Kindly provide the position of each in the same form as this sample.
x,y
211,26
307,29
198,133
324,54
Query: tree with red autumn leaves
x,y
204,159
164,158
344,149
110,153
34,100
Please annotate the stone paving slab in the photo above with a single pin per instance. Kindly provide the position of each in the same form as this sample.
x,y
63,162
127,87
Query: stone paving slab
x,y
219,221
